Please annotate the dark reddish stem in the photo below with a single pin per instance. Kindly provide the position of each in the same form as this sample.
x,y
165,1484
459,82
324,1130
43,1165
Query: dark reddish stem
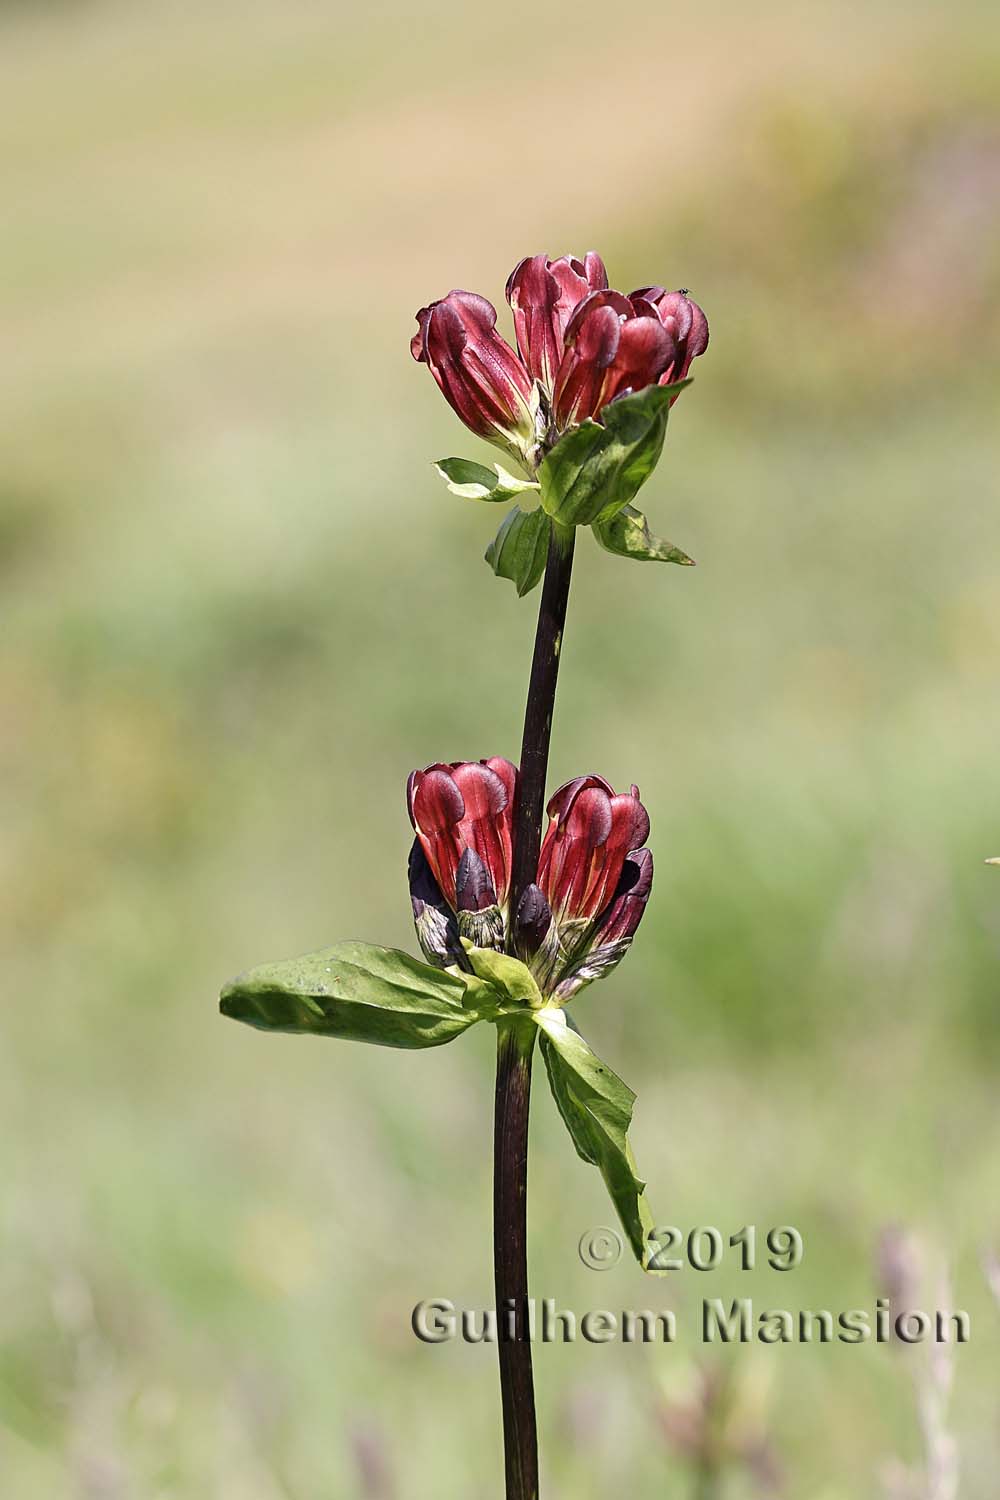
x,y
530,802
515,1044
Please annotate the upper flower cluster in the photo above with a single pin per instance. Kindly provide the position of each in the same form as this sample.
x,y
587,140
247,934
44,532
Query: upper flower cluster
x,y
594,873
580,345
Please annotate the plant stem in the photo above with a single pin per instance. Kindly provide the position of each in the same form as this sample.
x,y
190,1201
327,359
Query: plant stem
x,y
515,1044
538,711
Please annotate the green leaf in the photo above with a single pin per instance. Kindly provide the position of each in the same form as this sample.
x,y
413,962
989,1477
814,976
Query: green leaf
x,y
355,991
596,1107
628,535
519,549
599,466
512,980
473,481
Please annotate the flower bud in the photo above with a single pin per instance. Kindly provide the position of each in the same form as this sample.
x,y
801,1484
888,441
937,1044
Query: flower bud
x,y
467,805
532,921
437,932
686,324
543,295
537,939
478,372
592,830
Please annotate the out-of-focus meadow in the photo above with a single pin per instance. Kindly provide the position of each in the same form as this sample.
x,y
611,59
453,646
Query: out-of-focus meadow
x,y
239,606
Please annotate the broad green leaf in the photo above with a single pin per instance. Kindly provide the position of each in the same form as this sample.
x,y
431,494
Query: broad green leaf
x,y
356,991
510,978
519,549
628,535
596,1107
599,466
473,481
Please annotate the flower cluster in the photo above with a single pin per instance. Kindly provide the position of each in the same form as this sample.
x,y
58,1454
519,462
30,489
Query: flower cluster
x,y
594,873
580,345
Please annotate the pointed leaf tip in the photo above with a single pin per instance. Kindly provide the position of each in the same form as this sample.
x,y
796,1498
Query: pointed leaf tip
x,y
596,1107
627,534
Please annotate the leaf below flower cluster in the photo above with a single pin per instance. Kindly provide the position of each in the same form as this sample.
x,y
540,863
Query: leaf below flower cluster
x,y
356,991
596,1107
363,993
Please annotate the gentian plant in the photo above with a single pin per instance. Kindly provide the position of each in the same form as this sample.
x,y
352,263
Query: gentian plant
x,y
513,926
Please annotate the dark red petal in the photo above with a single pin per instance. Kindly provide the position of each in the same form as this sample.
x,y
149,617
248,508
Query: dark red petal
x,y
507,773
581,385
593,267
645,350
593,300
483,793
630,819
486,824
437,802
477,313
570,276
642,307
412,782
590,817
418,343
622,915
562,800
478,372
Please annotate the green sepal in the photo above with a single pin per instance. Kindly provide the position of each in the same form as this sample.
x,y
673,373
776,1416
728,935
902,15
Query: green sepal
x,y
628,535
355,991
596,1107
472,481
599,466
520,547
511,980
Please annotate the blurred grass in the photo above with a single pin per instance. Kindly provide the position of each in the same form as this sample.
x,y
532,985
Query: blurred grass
x,y
238,609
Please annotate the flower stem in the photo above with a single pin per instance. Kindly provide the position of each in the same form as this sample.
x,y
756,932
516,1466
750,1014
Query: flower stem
x,y
516,1040
538,711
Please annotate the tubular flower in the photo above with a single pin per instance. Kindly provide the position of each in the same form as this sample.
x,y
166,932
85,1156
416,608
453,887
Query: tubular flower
x,y
543,295
613,345
467,805
591,831
686,324
479,373
594,873
579,346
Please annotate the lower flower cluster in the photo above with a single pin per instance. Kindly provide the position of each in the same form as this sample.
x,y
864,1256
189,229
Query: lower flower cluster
x,y
576,922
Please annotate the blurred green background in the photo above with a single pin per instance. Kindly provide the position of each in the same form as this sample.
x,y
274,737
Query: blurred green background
x,y
239,607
